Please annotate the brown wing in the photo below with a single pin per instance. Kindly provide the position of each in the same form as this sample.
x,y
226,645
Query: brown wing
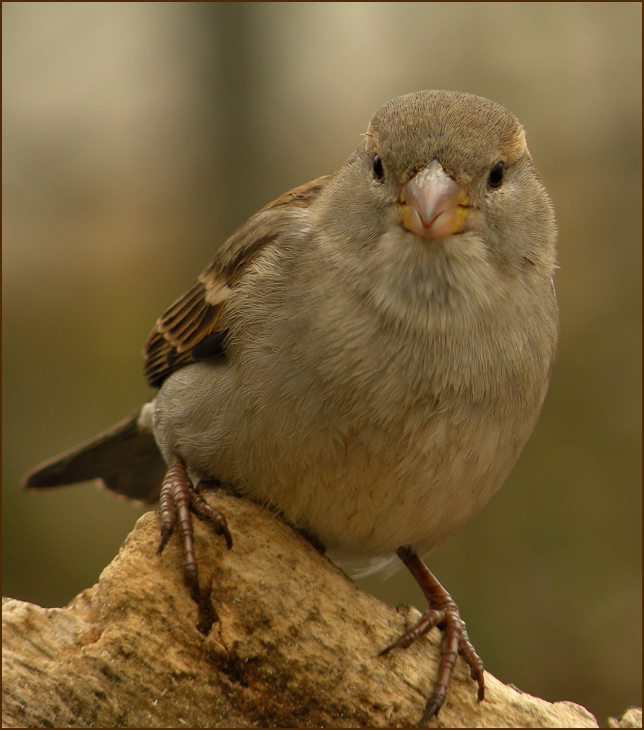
x,y
194,327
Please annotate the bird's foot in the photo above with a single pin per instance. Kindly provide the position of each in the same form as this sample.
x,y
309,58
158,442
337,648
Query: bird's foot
x,y
179,501
444,614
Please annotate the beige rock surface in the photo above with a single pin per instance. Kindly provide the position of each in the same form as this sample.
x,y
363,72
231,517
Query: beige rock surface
x,y
292,643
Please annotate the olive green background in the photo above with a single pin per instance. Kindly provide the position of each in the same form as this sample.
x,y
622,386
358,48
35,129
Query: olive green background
x,y
137,136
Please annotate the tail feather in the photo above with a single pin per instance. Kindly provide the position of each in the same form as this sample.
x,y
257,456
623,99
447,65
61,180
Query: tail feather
x,y
125,458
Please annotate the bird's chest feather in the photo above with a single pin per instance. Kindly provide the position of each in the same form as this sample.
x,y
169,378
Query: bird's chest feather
x,y
372,343
362,412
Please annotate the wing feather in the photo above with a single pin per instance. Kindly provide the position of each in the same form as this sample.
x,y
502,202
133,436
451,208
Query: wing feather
x,y
201,312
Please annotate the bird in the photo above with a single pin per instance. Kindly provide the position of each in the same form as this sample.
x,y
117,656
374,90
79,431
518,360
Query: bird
x,y
367,355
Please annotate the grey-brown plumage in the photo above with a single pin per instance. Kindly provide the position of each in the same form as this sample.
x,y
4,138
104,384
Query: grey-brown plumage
x,y
369,353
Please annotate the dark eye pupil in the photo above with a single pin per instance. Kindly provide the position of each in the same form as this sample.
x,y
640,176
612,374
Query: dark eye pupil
x,y
378,169
495,177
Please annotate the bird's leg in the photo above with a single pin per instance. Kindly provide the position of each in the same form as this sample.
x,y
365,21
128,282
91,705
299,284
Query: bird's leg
x,y
443,613
178,500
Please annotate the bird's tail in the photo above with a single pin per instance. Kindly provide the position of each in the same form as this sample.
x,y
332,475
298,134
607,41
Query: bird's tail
x,y
125,458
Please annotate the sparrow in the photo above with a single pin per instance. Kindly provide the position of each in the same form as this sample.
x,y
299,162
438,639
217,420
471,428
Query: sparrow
x,y
367,354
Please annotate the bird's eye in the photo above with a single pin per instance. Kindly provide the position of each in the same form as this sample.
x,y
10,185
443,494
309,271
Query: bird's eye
x,y
495,178
378,169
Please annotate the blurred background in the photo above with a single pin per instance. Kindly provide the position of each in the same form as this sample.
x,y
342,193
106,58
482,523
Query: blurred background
x,y
137,136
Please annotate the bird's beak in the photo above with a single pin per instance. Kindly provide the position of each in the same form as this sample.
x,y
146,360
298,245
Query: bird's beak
x,y
432,204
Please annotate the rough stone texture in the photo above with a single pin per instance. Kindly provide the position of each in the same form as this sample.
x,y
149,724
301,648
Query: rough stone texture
x,y
631,718
294,643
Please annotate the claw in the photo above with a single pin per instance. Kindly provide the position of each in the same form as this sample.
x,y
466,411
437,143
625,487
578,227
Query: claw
x,y
203,511
443,613
179,501
165,536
